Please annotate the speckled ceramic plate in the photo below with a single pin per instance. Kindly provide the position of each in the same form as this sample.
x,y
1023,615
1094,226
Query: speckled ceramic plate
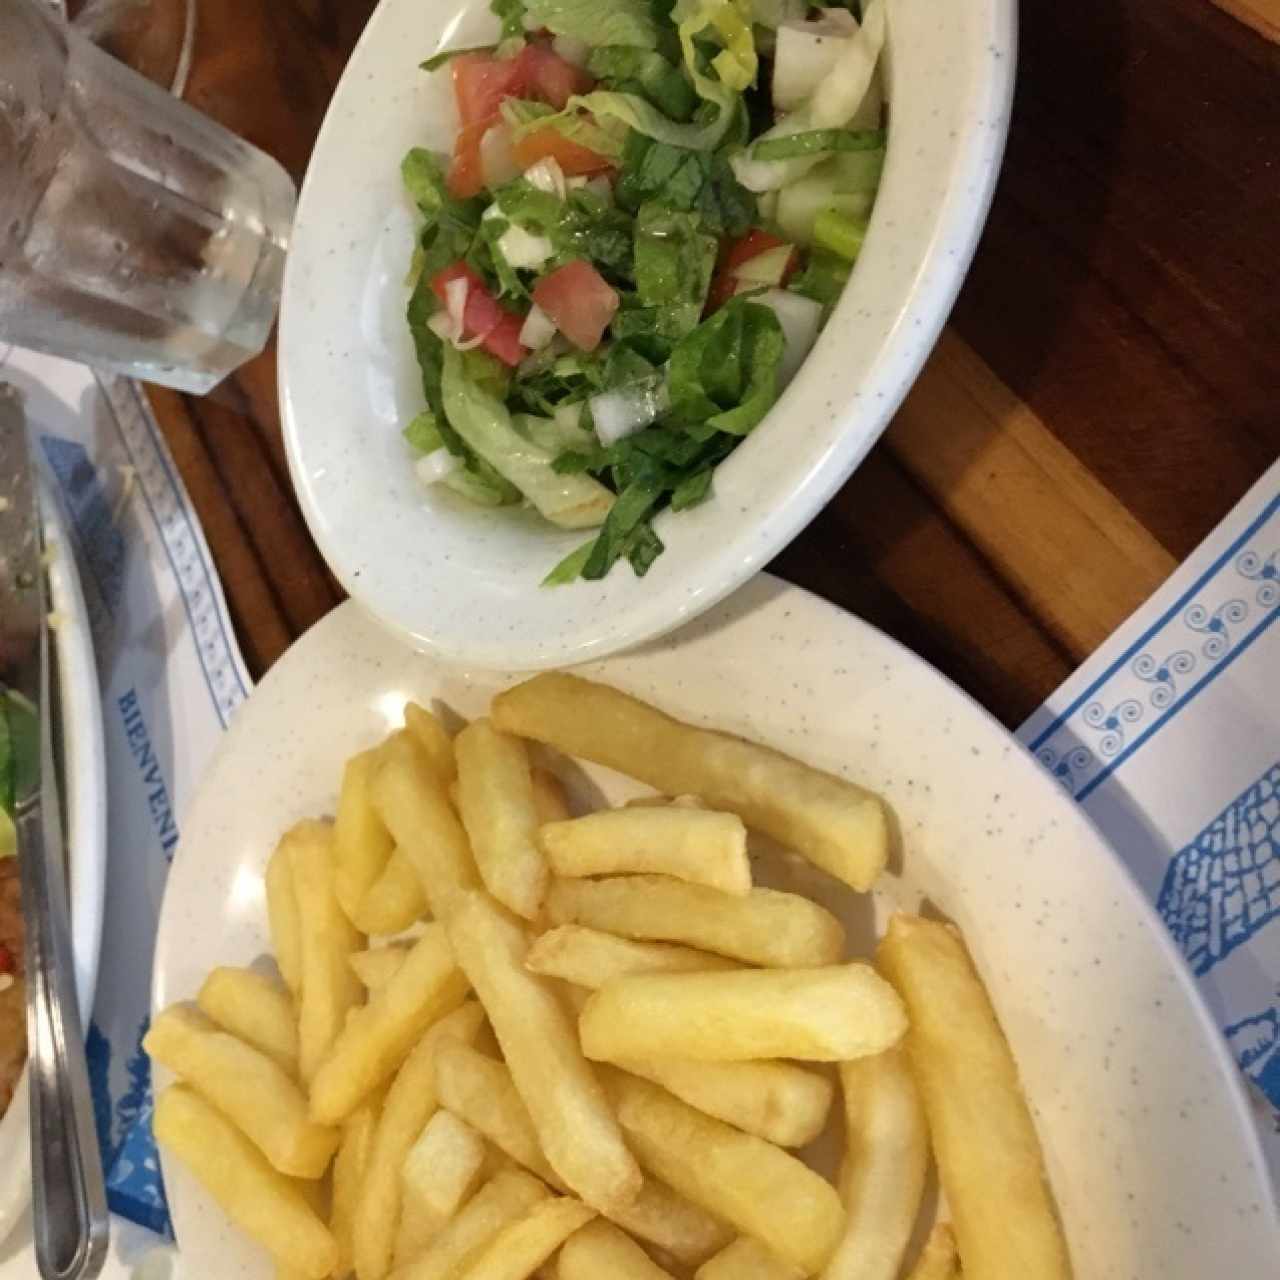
x,y
1145,1127
84,772
463,582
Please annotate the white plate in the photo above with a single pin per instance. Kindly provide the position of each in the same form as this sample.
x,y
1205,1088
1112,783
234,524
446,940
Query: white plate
x,y
86,831
1150,1148
464,583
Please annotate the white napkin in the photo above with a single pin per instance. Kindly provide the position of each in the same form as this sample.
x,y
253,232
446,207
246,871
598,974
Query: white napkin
x,y
1169,736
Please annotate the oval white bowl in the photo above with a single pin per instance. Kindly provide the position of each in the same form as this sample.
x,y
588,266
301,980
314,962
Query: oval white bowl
x,y
463,583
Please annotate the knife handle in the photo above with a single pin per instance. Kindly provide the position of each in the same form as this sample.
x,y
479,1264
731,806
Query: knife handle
x,y
70,1219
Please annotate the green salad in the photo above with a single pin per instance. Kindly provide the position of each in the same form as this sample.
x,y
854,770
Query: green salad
x,y
19,745
649,211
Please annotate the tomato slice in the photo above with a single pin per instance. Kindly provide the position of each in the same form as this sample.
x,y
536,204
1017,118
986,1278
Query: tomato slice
x,y
550,77
572,158
737,254
481,82
484,314
579,300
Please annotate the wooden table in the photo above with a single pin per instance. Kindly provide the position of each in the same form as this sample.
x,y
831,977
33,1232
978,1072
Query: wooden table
x,y
1106,391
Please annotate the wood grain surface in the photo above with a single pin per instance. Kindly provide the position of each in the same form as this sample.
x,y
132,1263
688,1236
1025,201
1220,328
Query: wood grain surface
x,y
1106,391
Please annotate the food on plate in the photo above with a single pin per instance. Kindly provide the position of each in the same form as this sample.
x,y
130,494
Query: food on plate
x,y
998,1191
698,845
13,1000
833,1014
615,1083
645,222
255,1008
268,1206
839,826
886,1156
394,900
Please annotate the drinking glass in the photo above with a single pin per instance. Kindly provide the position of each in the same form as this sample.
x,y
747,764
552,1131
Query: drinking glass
x,y
135,234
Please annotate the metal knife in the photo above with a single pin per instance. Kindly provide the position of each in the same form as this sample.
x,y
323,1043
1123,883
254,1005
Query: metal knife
x,y
70,1218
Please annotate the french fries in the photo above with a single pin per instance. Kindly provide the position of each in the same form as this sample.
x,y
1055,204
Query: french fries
x,y
409,1104
746,1259
349,1167
741,1179
505,1198
328,987
549,798
282,914
412,803
575,1127
984,1140
938,1259
778,1101
377,1037
496,804
361,843
885,1159
252,1007
599,1251
698,845
782,930
442,1168
250,1089
589,958
266,1205
821,1015
378,965
433,738
838,826
479,1089
522,1246
394,901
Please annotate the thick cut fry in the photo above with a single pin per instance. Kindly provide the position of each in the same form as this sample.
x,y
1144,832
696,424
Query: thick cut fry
x,y
575,1126
409,1104
835,824
495,800
938,1259
746,1259
766,927
522,1246
549,798
479,1089
282,915
506,1197
266,1205
749,1183
433,738
361,843
697,845
589,958
777,1101
254,1092
349,1167
989,1159
378,1036
378,965
599,1251
830,1014
442,1168
250,1005
394,901
886,1155
329,988
412,802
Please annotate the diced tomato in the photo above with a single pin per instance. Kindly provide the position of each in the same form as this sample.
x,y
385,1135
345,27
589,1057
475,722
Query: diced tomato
x,y
481,82
466,173
737,254
550,77
574,159
723,287
580,302
483,314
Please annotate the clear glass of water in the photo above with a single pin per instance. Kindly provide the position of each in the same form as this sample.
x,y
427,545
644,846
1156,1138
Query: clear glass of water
x,y
135,234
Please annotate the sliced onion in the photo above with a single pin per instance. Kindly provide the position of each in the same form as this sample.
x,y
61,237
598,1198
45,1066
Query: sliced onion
x,y
523,249
572,50
548,176
498,164
447,325
538,329
621,413
433,467
800,318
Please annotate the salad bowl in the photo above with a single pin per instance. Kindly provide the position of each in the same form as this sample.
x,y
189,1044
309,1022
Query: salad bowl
x,y
465,583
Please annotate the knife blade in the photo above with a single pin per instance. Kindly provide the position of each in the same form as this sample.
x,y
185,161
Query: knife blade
x,y
69,1199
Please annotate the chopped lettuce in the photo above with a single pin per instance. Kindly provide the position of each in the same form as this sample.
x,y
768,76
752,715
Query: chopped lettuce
x,y
817,142
526,117
675,259
823,278
627,69
690,181
597,22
